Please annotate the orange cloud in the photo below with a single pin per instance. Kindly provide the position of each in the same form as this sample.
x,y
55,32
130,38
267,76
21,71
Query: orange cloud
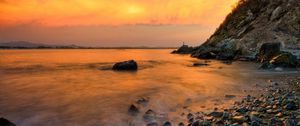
x,y
113,12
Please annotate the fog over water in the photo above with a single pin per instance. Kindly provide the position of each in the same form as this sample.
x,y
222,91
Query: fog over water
x,y
77,87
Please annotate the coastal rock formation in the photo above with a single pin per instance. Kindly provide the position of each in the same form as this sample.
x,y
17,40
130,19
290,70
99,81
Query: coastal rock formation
x,y
184,49
251,24
129,65
267,51
5,122
283,60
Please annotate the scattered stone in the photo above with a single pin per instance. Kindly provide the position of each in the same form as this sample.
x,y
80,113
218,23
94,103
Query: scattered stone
x,y
242,110
230,96
149,116
5,122
133,110
142,100
216,114
129,65
290,122
201,123
291,106
238,119
167,124
181,124
152,124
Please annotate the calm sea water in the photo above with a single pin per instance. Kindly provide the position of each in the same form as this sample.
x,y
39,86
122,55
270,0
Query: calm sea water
x,y
77,87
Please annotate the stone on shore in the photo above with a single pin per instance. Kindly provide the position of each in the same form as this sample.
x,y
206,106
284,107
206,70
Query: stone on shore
x,y
167,124
152,124
283,60
267,51
129,65
133,110
5,122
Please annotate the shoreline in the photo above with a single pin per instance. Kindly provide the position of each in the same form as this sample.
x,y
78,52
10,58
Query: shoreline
x,y
276,104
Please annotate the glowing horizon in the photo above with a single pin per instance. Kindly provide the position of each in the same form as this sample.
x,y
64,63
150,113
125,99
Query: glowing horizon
x,y
54,14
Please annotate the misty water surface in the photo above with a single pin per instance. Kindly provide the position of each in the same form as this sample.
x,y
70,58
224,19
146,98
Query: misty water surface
x,y
77,87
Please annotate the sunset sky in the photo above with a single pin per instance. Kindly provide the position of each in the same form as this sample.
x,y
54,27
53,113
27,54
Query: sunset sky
x,y
112,22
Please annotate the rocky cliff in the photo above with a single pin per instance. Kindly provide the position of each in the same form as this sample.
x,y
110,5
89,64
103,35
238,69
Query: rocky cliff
x,y
254,22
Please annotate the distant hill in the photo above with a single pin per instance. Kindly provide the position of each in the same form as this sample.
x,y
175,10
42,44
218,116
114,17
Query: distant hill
x,y
31,45
25,44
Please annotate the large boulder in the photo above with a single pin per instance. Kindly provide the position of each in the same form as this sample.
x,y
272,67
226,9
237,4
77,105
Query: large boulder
x,y
283,60
5,122
184,49
267,51
129,65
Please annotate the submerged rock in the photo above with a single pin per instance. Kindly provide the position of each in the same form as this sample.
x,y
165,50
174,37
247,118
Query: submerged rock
x,y
5,122
129,65
167,124
152,124
149,116
133,110
200,64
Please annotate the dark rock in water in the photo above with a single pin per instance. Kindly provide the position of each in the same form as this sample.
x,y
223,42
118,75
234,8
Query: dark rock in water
x,y
283,60
133,110
5,122
267,51
184,49
200,64
190,115
230,96
149,116
152,124
129,65
181,124
167,124
142,100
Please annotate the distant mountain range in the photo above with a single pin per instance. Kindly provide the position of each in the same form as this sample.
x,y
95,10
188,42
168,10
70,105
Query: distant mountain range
x,y
31,45
15,44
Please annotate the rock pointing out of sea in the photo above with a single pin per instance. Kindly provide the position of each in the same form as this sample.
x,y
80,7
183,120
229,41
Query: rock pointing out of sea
x,y
5,122
129,65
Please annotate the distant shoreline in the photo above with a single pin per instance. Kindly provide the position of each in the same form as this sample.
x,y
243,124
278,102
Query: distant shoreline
x,y
14,48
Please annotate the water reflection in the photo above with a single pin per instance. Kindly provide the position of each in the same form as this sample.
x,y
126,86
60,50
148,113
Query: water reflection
x,y
76,87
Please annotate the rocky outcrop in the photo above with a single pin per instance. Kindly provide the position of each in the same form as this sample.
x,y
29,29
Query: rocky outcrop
x,y
5,122
267,51
129,65
253,23
184,49
283,60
